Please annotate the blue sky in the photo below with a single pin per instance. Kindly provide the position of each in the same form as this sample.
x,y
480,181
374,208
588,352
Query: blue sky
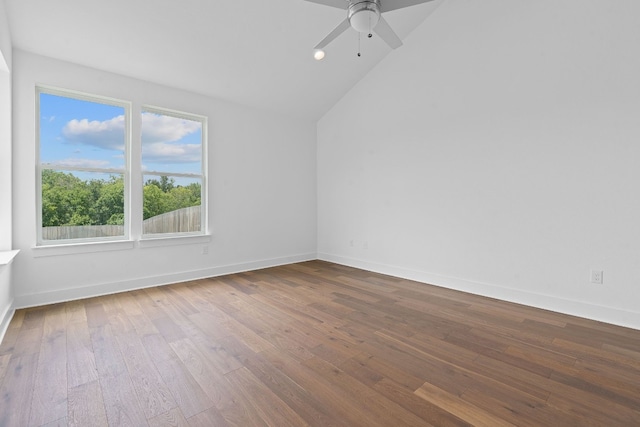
x,y
81,133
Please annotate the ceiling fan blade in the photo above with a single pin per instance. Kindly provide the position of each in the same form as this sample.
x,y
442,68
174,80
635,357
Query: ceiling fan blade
x,y
384,31
340,4
388,5
344,25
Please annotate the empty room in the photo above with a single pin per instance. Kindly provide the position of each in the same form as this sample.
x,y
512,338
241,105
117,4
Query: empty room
x,y
320,213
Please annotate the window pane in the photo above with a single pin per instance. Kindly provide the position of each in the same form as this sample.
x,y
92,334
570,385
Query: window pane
x,y
75,133
171,204
172,146
80,205
82,146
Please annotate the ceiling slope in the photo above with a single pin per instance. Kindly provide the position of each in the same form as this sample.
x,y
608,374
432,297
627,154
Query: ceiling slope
x,y
252,52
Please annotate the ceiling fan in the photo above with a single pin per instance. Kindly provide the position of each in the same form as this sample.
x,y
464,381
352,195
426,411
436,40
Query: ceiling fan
x,y
365,16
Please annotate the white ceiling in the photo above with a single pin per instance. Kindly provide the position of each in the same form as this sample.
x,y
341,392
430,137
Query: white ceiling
x,y
252,52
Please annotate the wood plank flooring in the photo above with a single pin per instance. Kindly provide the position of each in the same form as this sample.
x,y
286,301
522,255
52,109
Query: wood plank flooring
x,y
313,344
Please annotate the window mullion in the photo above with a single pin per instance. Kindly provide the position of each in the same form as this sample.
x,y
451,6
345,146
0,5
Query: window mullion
x,y
135,172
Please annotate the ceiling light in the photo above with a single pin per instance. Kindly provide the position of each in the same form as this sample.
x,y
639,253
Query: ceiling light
x,y
365,16
318,54
364,20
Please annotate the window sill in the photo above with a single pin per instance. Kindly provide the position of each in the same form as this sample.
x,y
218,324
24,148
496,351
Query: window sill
x,y
160,241
118,245
6,257
82,248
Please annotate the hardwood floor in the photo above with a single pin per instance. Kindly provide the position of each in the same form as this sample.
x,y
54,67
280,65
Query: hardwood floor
x,y
313,344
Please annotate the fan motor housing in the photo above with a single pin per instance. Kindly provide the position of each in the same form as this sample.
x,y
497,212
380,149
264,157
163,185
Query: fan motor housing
x,y
364,15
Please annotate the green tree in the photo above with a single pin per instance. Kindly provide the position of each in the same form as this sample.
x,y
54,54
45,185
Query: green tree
x,y
182,197
155,201
66,200
116,219
109,206
196,193
163,195
165,183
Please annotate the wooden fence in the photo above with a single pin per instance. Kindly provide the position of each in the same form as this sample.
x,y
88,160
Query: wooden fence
x,y
81,231
179,221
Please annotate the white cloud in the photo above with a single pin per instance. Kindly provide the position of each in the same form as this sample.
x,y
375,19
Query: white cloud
x,y
160,137
158,128
80,163
108,134
171,153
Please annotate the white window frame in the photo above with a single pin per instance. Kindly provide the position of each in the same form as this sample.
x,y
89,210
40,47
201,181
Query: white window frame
x,y
133,183
202,175
126,172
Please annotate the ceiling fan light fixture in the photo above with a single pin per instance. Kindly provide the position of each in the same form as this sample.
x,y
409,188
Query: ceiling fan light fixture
x,y
364,16
364,21
318,54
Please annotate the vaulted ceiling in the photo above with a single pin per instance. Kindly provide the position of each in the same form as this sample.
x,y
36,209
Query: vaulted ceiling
x,y
253,52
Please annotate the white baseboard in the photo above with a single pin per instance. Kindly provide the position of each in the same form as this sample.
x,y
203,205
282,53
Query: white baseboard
x,y
62,295
5,319
629,319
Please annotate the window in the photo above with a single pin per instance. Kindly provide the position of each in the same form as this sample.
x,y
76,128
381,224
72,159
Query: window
x,y
84,184
172,165
82,179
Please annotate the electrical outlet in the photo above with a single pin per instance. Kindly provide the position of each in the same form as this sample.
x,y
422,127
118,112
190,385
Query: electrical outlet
x,y
596,276
205,250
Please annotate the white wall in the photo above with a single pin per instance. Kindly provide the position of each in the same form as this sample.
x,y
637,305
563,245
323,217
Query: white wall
x,y
262,191
496,152
5,39
5,131
6,295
